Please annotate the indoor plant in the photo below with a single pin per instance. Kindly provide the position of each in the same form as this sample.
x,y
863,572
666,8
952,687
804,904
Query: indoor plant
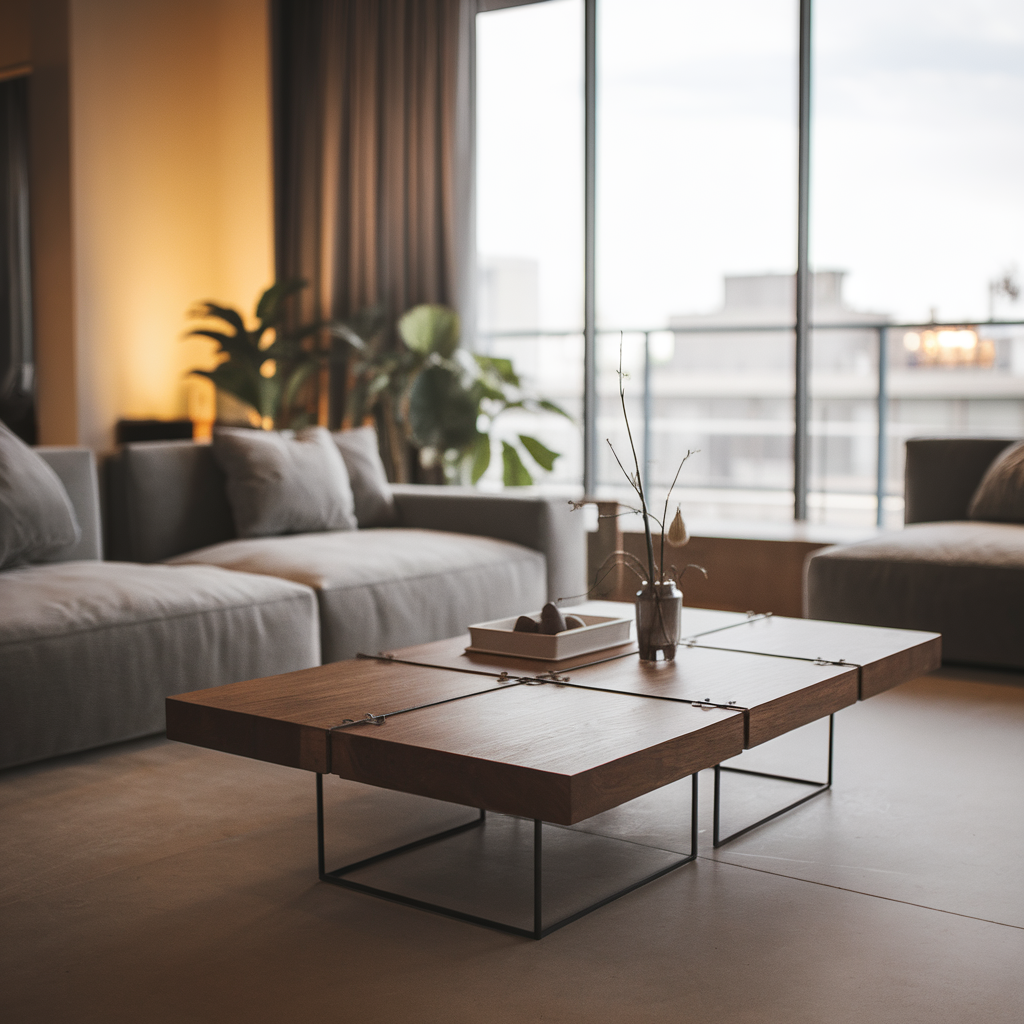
x,y
658,601
268,366
427,392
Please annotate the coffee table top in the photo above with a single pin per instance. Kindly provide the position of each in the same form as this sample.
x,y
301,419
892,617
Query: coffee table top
x,y
557,741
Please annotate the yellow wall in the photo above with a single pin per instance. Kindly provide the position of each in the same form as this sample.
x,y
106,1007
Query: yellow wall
x,y
171,192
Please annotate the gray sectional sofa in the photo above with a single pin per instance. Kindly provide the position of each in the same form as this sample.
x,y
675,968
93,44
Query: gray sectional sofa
x,y
89,649
455,556
945,572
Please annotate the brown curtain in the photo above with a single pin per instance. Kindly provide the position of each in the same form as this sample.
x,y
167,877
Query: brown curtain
x,y
373,155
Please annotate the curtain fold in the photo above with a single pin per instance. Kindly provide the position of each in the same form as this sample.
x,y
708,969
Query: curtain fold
x,y
373,184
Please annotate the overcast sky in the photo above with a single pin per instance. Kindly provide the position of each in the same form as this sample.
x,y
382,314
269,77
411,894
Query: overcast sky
x,y
918,158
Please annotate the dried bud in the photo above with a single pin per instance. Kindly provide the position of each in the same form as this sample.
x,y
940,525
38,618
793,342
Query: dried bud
x,y
677,535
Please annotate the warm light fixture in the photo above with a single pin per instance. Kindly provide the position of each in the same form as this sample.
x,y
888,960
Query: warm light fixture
x,y
949,346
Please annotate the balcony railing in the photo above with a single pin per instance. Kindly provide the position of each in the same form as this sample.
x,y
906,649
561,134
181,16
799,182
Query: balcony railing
x,y
932,380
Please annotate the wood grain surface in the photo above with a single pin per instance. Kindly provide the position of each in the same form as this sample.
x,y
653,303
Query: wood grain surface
x,y
285,719
887,657
781,694
555,753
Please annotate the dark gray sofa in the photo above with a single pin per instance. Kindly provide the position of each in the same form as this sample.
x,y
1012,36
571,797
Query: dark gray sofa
x,y
456,557
89,649
943,572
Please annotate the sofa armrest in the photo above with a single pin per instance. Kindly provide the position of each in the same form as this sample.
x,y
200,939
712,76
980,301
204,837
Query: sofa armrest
x,y
546,524
942,474
76,468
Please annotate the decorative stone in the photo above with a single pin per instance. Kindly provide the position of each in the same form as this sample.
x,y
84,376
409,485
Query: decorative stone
x,y
574,622
551,619
524,624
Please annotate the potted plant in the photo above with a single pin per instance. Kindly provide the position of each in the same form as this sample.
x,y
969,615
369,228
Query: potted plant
x,y
659,601
428,392
267,366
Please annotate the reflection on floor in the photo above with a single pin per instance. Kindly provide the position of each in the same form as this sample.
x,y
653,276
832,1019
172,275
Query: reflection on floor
x,y
159,882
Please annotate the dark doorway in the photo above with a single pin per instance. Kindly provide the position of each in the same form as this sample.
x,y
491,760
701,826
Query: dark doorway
x,y
17,361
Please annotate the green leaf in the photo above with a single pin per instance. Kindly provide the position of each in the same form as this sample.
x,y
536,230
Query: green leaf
x,y
345,333
298,377
430,328
224,341
501,368
551,407
237,347
236,379
544,457
481,457
516,474
270,396
442,413
225,313
268,309
482,390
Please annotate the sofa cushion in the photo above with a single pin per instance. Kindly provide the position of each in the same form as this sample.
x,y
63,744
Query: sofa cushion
x,y
382,589
964,580
37,518
1000,495
375,505
279,482
90,649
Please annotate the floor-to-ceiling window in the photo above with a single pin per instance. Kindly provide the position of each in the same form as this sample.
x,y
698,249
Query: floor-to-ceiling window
x,y
918,142
696,159
916,216
529,138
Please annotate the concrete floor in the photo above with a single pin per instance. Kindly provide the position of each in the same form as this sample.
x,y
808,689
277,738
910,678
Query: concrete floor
x,y
157,882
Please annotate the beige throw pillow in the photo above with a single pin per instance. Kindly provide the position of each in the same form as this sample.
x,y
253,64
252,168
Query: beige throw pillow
x,y
1000,495
280,482
375,505
36,514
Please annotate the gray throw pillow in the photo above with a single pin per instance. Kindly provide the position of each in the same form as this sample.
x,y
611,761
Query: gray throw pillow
x,y
36,514
280,482
375,505
1000,495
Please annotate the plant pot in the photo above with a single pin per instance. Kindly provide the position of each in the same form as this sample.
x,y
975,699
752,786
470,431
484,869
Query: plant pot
x,y
658,611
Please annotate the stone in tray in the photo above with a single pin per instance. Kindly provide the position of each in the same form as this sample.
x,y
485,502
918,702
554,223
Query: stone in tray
x,y
592,633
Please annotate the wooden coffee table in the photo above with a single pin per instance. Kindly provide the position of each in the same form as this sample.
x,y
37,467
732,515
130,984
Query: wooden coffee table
x,y
553,742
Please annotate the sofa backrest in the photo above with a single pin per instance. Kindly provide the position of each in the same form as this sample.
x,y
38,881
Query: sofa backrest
x,y
76,468
942,474
165,498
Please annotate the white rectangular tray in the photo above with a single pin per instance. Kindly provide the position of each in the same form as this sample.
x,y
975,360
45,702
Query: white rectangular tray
x,y
498,637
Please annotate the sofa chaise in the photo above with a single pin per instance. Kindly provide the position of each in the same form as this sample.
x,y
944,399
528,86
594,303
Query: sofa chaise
x,y
957,568
89,649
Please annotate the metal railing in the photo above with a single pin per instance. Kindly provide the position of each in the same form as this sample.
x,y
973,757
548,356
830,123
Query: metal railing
x,y
882,396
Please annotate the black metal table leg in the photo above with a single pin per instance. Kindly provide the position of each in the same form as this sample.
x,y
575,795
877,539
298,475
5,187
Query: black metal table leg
x,y
820,787
337,876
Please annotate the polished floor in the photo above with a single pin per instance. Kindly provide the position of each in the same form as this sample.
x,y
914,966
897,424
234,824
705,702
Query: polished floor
x,y
158,882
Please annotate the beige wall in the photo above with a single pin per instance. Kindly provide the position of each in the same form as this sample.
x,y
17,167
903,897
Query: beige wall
x,y
171,192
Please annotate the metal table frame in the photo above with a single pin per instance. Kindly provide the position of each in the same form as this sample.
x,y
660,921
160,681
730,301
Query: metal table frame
x,y
539,930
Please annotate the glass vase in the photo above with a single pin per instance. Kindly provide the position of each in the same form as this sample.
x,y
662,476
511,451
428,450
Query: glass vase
x,y
658,611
